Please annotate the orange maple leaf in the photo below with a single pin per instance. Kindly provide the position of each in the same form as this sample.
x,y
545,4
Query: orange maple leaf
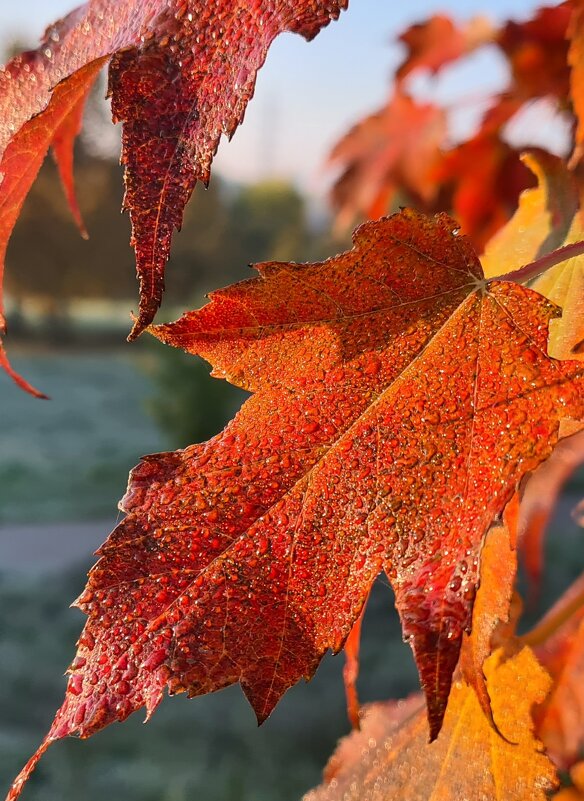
x,y
387,154
398,400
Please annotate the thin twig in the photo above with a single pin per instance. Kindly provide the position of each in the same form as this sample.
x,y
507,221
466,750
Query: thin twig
x,y
552,622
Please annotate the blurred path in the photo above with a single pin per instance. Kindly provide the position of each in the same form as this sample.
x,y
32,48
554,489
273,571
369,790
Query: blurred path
x,y
48,548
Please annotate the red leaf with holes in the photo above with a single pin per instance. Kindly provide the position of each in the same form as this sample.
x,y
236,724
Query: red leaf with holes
x,y
398,400
182,74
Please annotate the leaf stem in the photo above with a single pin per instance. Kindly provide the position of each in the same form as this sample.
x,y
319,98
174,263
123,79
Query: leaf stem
x,y
553,621
539,266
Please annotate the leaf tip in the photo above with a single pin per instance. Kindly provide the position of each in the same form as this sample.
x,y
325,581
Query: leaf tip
x,y
17,378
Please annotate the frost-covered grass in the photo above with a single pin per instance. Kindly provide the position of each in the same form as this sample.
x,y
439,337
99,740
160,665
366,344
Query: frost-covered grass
x,y
207,748
68,458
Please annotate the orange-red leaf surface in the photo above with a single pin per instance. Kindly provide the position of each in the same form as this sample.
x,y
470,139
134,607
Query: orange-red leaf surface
x,y
439,41
390,759
182,74
398,400
391,151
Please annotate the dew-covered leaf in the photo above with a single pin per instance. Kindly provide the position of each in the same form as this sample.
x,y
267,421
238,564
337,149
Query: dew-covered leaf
x,y
398,400
181,75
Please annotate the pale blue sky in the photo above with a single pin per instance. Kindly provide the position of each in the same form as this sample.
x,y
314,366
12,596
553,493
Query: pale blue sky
x,y
309,94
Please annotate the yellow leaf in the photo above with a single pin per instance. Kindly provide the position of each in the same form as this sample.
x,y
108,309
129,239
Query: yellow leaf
x,y
469,760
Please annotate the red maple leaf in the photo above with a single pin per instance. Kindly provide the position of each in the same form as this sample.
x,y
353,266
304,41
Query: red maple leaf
x,y
438,41
537,50
398,400
480,180
387,153
484,176
182,74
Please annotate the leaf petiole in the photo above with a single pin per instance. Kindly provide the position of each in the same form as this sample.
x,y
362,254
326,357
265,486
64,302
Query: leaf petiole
x,y
535,268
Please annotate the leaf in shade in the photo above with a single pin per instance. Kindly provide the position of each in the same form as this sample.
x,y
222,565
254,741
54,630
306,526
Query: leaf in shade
x,y
182,74
560,720
398,400
469,760
439,41
492,608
